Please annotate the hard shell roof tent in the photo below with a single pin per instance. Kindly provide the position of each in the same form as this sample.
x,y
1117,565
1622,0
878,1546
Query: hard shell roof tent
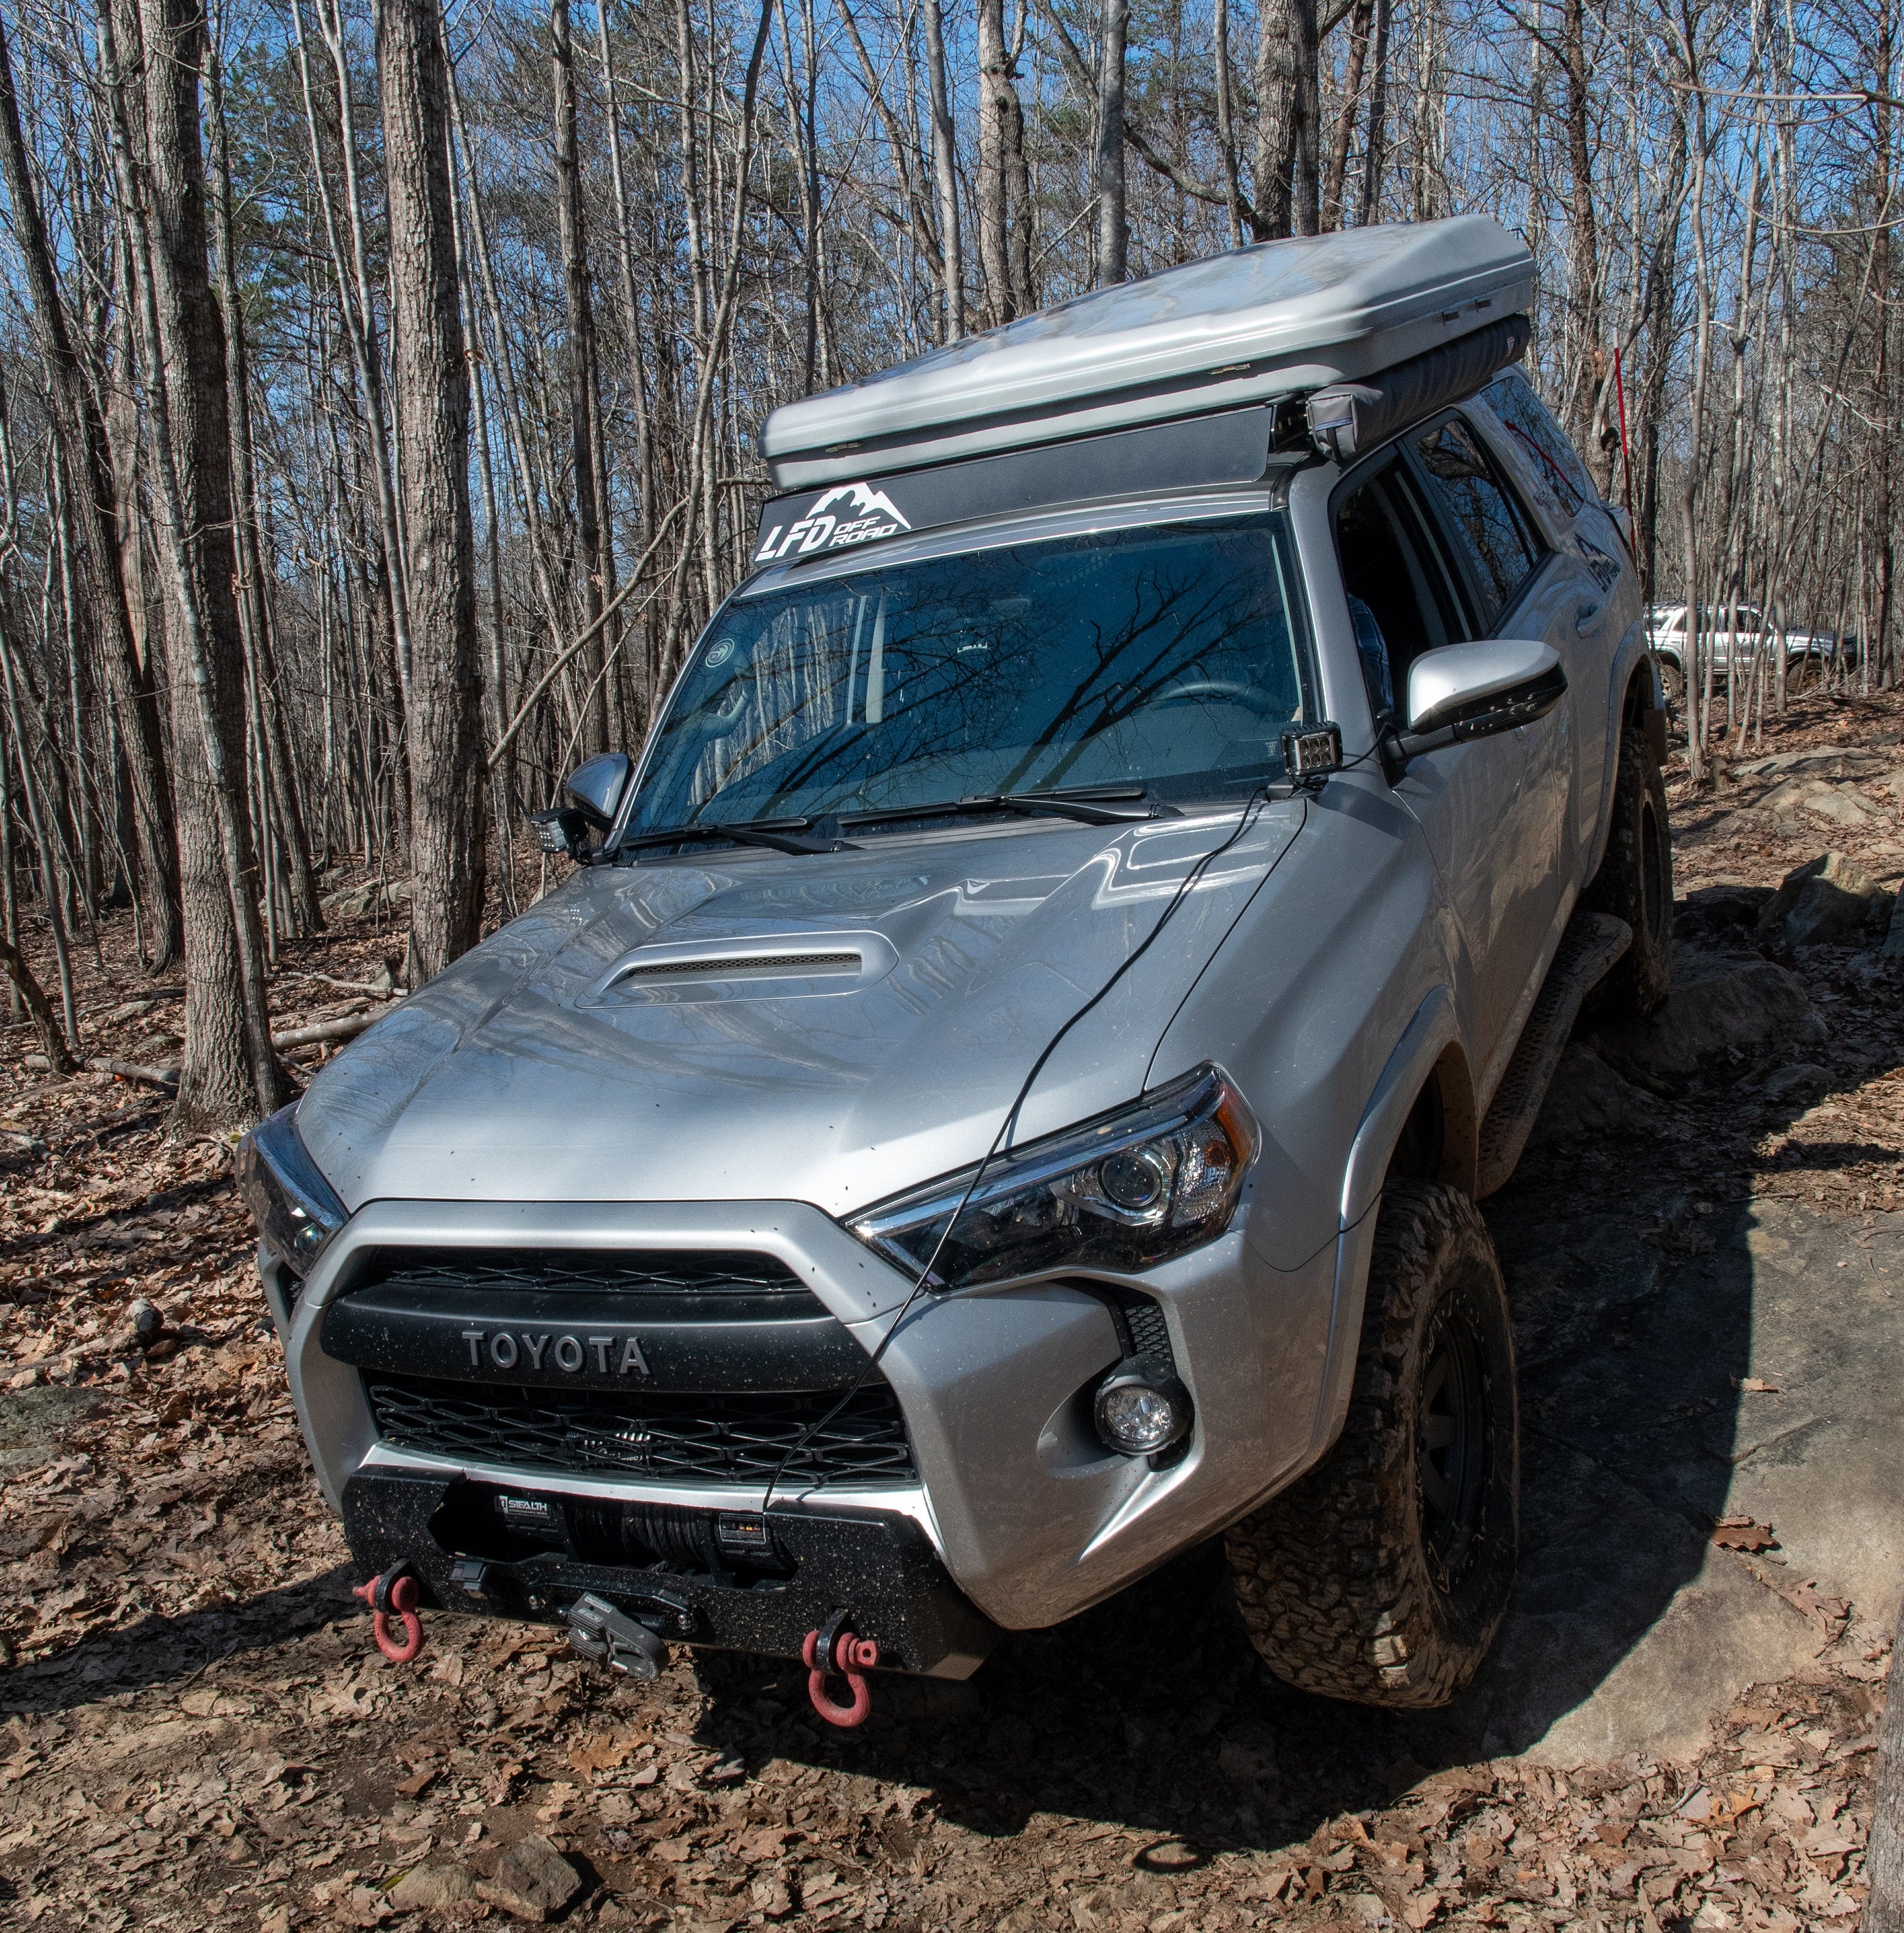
x,y
1173,381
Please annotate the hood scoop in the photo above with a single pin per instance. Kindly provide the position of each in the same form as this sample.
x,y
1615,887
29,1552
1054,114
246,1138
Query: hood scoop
x,y
775,966
741,963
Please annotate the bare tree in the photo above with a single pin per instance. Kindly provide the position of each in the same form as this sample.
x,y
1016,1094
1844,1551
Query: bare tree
x,y
1288,110
228,1075
83,430
1004,188
952,279
444,715
1113,219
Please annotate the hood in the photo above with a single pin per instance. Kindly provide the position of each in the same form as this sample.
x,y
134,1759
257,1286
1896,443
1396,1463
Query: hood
x,y
761,1027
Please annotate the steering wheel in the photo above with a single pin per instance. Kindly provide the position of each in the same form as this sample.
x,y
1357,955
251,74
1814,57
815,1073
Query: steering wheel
x,y
1227,690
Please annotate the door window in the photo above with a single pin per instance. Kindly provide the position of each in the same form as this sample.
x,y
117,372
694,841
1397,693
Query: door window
x,y
1400,586
1561,475
1487,525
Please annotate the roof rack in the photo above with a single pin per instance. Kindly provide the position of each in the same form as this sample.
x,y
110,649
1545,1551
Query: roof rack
x,y
1276,320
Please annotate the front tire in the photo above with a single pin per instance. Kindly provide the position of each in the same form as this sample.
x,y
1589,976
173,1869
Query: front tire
x,y
1635,883
1383,1576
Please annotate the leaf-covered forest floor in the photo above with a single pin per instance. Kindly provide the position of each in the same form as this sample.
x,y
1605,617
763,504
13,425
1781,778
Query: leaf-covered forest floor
x,y
197,1733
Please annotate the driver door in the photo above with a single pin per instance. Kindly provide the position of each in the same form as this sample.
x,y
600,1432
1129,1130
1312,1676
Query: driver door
x,y
1406,597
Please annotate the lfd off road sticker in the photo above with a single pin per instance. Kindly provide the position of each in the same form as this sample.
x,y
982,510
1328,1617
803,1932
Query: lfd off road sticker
x,y
849,513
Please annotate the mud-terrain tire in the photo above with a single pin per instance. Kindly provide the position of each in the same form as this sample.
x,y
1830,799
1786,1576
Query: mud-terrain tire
x,y
1672,683
1383,1575
1635,883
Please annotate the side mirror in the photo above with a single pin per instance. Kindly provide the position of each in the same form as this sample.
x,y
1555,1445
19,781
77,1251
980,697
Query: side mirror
x,y
596,787
1468,691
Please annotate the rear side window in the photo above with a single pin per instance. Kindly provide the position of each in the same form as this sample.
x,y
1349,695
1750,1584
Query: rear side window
x,y
1481,514
1559,472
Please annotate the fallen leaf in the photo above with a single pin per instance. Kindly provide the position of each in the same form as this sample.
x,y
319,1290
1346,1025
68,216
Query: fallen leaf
x,y
1740,1533
603,1753
1758,1386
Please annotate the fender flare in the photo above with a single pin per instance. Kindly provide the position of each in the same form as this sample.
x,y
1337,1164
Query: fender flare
x,y
1635,673
1430,1035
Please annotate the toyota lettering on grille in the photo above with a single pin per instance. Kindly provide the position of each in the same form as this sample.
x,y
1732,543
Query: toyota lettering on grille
x,y
616,1355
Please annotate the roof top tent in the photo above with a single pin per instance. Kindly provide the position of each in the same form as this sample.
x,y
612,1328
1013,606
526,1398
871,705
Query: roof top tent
x,y
1183,379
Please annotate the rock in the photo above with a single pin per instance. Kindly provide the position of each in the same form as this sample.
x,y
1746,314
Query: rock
x,y
431,1889
1587,1097
359,902
1788,1080
1816,797
532,1879
1893,945
1835,761
1829,898
1754,1006
1721,909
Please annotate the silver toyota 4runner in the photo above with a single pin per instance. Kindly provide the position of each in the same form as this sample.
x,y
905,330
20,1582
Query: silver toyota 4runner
x,y
1003,1096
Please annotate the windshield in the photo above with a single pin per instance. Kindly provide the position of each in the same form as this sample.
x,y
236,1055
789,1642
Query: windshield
x,y
1162,657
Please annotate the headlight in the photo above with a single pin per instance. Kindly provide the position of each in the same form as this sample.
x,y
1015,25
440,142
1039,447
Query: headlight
x,y
296,1210
1124,1191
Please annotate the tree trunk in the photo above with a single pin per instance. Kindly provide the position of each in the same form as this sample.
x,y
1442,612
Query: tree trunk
x,y
1232,194
229,1075
430,380
1584,269
274,753
1288,107
1107,174
1361,21
135,699
39,1010
1883,1861
1003,226
1375,152
584,390
952,274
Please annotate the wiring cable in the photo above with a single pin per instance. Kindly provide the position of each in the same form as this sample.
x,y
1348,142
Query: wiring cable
x,y
1252,807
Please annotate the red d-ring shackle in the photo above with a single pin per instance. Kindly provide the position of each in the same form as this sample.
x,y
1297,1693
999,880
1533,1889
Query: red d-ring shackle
x,y
847,1655
398,1595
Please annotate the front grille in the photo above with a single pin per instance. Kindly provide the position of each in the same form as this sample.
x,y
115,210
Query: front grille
x,y
1150,1334
687,1438
606,1271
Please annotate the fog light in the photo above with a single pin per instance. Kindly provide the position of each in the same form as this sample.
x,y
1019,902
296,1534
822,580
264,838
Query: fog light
x,y
1141,1408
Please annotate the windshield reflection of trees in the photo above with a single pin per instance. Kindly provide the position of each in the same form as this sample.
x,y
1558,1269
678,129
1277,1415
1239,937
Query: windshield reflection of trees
x,y
1106,661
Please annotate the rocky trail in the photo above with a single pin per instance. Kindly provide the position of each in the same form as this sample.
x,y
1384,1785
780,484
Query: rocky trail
x,y
1702,1245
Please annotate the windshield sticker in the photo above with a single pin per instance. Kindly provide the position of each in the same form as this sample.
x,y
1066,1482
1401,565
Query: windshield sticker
x,y
849,513
719,652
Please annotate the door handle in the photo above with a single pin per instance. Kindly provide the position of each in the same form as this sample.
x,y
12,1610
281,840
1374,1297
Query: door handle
x,y
1586,619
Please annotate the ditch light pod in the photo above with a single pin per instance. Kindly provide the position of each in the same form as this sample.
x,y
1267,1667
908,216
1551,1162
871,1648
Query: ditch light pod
x,y
1276,319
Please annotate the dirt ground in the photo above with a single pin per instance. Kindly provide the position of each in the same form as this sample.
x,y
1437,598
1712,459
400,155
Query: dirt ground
x,y
198,1734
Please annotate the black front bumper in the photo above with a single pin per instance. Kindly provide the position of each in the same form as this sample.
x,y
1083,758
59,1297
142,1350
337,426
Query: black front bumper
x,y
721,1579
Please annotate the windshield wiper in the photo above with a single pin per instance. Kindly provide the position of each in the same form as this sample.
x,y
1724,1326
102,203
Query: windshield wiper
x,y
787,841
1082,804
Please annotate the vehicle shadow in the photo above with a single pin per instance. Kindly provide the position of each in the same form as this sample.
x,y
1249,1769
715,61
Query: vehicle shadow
x,y
159,1650
1633,1299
